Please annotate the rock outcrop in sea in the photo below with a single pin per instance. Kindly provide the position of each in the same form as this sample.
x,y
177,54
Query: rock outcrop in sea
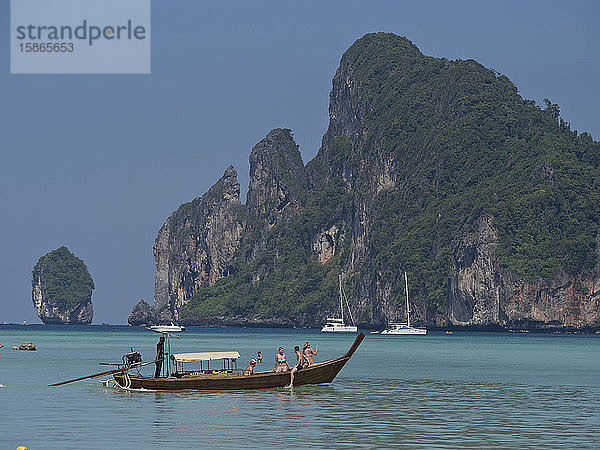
x,y
27,346
62,289
435,167
143,314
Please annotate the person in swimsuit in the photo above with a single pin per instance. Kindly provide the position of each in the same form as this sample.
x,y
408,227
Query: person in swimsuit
x,y
298,366
281,364
309,354
250,369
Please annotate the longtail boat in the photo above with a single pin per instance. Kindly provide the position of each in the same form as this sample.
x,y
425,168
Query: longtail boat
x,y
229,378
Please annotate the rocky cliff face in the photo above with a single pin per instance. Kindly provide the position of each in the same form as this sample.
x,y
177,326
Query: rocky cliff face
x,y
62,289
277,184
277,178
52,313
196,245
428,165
483,294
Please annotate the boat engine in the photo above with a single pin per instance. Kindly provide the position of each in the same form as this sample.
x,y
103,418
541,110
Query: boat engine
x,y
132,359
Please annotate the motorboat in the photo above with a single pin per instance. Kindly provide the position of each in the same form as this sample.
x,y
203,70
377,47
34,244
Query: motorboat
x,y
167,328
221,377
229,377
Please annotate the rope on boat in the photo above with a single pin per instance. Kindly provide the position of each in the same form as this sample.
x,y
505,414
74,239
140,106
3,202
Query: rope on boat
x,y
125,385
127,380
112,381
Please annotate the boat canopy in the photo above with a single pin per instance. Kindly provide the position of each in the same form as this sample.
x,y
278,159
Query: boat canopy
x,y
206,356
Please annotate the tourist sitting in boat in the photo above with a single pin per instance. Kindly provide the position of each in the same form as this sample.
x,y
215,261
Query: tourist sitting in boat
x,y
281,364
250,369
309,354
299,364
258,357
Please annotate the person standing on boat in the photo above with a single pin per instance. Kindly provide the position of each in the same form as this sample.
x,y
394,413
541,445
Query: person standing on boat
x,y
309,354
281,364
298,366
160,354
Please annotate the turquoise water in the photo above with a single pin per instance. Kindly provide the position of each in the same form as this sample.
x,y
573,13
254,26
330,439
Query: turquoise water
x,y
461,390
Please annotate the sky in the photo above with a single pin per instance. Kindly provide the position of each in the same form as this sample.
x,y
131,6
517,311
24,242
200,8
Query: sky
x,y
98,162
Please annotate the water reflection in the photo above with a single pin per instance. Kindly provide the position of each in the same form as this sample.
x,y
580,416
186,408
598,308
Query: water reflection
x,y
367,412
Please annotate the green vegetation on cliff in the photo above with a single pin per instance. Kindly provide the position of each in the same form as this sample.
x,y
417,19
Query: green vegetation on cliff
x,y
65,279
286,279
458,142
465,143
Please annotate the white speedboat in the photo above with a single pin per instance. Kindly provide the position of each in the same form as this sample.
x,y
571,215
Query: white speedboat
x,y
404,328
167,328
337,325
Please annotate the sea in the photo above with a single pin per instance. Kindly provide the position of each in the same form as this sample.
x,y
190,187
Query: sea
x,y
467,389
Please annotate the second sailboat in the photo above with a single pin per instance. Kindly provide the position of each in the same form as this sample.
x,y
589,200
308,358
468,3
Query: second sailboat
x,y
337,325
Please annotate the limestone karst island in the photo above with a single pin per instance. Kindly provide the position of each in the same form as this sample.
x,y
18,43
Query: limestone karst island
x,y
62,289
431,166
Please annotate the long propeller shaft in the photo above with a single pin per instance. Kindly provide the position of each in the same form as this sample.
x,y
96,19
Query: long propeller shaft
x,y
99,374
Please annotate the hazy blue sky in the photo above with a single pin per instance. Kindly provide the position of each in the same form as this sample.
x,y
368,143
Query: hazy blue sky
x,y
98,162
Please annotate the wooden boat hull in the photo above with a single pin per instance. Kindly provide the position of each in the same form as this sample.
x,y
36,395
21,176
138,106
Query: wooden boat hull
x,y
319,373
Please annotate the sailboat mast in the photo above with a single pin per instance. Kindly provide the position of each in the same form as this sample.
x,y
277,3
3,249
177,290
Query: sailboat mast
x,y
348,306
407,307
341,304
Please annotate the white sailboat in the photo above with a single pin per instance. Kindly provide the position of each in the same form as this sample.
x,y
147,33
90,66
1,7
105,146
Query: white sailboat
x,y
337,325
404,327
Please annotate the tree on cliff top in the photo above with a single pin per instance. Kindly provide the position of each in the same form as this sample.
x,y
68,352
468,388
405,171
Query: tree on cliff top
x,y
65,279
